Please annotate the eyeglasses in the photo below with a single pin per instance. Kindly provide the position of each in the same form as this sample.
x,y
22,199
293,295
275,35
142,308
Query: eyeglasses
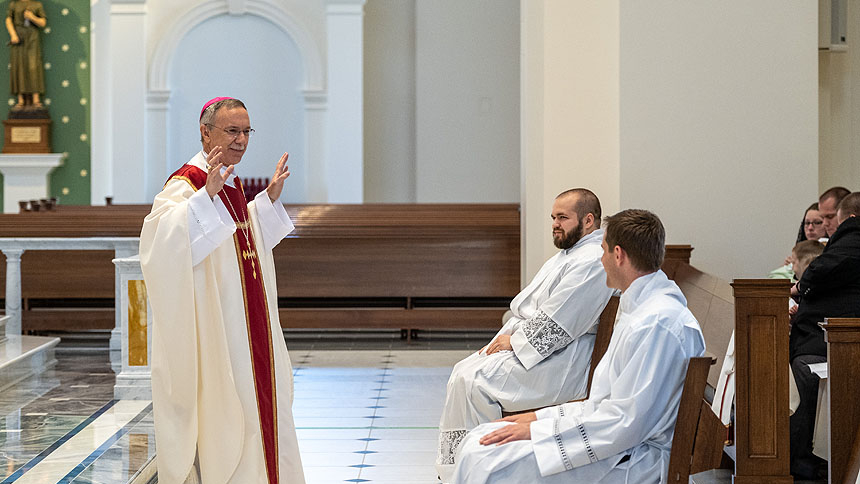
x,y
235,132
807,223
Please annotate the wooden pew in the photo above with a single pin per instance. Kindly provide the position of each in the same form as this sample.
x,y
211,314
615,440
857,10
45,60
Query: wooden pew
x,y
345,266
757,310
697,444
843,372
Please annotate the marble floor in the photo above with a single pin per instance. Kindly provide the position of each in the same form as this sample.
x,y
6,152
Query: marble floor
x,y
364,412
362,415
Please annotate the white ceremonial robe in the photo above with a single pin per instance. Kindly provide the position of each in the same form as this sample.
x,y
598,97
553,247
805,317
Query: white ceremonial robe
x,y
204,402
623,432
551,330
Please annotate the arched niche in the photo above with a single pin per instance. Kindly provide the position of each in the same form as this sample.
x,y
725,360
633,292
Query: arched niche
x,y
164,106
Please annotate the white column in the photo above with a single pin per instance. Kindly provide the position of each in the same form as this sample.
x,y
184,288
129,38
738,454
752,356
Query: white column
x,y
121,253
128,99
13,291
345,146
156,143
101,169
315,151
569,113
133,380
26,177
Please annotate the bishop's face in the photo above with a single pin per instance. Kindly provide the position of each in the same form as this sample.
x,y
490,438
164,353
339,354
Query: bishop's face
x,y
228,120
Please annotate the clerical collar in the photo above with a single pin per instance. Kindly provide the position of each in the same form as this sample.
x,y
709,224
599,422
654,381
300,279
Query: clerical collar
x,y
200,162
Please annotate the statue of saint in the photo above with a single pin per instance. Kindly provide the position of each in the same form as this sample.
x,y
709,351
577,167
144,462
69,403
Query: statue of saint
x,y
23,21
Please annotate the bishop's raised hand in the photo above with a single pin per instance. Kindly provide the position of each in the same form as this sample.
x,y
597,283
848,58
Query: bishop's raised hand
x,y
215,180
282,172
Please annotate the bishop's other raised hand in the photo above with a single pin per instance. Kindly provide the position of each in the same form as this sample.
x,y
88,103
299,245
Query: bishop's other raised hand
x,y
282,172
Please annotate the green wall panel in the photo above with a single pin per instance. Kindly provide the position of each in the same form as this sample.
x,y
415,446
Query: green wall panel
x,y
66,54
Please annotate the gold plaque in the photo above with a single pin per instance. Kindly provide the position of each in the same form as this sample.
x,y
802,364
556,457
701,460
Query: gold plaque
x,y
26,134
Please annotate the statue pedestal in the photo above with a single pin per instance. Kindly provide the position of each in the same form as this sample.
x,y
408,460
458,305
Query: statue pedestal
x,y
27,135
25,177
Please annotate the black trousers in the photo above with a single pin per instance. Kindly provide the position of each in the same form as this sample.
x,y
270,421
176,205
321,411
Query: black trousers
x,y
803,462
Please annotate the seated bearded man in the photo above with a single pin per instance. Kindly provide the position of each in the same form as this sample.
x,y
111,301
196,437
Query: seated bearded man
x,y
542,354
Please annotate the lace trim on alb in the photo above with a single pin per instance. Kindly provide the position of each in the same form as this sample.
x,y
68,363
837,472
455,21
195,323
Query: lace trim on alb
x,y
449,442
544,334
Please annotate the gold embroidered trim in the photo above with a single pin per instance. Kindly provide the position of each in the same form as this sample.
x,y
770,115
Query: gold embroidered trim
x,y
184,178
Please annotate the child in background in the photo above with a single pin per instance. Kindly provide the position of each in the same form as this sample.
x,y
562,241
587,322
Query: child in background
x,y
802,255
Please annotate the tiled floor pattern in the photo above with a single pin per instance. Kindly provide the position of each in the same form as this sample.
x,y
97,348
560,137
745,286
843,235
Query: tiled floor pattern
x,y
370,416
361,416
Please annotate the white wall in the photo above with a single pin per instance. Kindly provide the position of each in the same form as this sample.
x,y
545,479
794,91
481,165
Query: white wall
x,y
704,112
389,101
268,81
467,101
719,127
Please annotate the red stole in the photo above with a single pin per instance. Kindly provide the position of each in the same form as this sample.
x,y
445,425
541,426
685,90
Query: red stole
x,y
256,313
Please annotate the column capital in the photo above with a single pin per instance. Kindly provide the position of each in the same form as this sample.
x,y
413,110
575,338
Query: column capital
x,y
344,7
13,254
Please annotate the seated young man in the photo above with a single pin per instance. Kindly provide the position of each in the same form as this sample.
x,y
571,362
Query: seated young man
x,y
829,288
623,431
541,356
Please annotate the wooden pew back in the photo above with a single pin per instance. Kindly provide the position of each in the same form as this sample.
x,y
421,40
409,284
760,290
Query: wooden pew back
x,y
345,266
605,327
697,444
711,301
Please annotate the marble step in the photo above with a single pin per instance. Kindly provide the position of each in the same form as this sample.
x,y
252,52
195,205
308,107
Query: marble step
x,y
23,356
3,328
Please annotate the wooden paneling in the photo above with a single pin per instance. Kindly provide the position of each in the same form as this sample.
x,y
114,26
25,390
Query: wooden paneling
x,y
445,251
761,359
393,318
843,372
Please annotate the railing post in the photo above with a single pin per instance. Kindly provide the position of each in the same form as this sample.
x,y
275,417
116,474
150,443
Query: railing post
x,y
13,291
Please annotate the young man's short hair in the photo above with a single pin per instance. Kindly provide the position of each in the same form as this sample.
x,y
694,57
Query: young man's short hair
x,y
850,205
642,236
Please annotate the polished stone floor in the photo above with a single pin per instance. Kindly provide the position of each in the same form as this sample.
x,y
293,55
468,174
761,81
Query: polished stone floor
x,y
366,410
362,415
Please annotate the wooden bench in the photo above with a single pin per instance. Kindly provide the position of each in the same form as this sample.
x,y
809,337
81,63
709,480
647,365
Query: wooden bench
x,y
697,444
345,266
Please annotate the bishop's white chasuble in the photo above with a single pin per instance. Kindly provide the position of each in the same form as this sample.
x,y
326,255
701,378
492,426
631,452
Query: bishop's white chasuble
x,y
221,375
